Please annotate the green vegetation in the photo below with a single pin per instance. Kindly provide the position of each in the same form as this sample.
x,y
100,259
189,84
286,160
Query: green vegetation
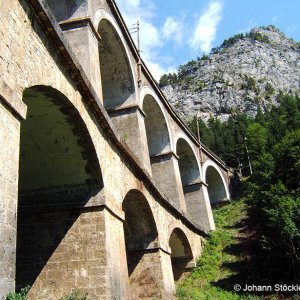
x,y
260,244
222,263
202,58
22,295
185,70
249,84
254,35
168,79
264,131
75,295
231,41
257,36
225,139
269,88
200,85
274,196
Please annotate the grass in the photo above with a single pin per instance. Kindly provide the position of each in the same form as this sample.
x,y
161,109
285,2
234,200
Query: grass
x,y
225,259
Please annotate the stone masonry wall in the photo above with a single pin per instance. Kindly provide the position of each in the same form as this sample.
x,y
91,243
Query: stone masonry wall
x,y
9,156
70,251
28,58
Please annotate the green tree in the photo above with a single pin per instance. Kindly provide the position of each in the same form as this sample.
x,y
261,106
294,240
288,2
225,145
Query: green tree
x,y
164,80
280,239
205,133
217,143
287,157
283,118
256,140
260,117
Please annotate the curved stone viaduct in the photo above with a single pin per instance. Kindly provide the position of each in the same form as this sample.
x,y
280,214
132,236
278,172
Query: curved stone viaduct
x,y
103,188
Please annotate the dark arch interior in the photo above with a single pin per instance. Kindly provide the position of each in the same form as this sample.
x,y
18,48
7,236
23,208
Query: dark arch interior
x,y
181,253
156,127
191,182
139,227
141,240
216,188
59,173
66,9
116,73
188,166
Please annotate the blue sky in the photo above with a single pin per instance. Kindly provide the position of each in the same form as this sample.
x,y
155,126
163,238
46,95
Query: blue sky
x,y
176,31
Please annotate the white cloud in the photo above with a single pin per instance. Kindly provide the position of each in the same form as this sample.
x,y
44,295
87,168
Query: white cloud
x,y
205,32
150,36
142,11
157,70
133,3
172,30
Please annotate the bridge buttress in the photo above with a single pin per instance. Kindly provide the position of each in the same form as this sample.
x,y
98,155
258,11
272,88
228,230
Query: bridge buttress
x,y
199,208
9,166
84,40
165,171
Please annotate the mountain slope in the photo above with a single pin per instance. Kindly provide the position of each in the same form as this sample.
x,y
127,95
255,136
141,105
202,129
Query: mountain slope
x,y
245,72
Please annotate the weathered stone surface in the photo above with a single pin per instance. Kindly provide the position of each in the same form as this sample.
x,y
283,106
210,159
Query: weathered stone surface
x,y
67,189
217,85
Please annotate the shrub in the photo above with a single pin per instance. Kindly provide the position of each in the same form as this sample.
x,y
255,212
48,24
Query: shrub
x,y
259,37
269,88
237,37
75,295
22,295
249,84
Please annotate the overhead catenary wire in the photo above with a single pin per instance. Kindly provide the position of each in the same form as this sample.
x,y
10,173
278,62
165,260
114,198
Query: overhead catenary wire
x,y
126,11
135,28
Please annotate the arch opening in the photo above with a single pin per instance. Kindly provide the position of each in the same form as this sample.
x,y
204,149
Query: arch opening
x,y
156,127
59,173
141,241
116,74
216,188
194,196
181,254
188,166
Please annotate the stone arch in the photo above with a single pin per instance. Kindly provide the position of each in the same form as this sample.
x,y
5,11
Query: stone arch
x,y
163,161
217,187
142,247
117,75
188,163
181,253
140,227
196,202
157,127
59,173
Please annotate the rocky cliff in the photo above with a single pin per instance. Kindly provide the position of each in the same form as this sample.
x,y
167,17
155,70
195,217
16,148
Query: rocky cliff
x,y
245,72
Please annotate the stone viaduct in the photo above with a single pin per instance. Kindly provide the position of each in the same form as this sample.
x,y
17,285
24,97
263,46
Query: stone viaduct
x,y
102,187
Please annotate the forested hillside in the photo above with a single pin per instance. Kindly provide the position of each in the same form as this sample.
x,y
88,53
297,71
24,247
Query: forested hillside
x,y
258,238
244,96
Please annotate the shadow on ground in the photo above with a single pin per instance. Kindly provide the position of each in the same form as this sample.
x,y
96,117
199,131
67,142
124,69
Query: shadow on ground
x,y
249,267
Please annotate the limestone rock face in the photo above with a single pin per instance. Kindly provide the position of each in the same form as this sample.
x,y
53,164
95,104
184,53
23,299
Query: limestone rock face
x,y
245,72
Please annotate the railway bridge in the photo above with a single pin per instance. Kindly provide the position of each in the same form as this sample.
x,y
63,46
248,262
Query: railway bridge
x,y
103,188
